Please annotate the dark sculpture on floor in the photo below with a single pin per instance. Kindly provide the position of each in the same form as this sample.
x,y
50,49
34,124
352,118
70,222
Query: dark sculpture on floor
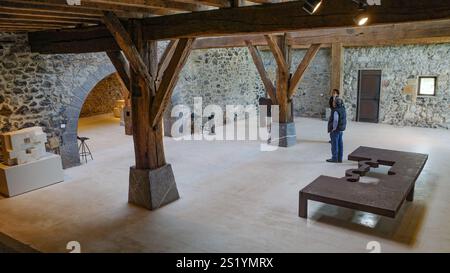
x,y
383,198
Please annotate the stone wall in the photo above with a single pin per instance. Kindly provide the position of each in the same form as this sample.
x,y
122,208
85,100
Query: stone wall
x,y
46,90
229,77
102,99
400,65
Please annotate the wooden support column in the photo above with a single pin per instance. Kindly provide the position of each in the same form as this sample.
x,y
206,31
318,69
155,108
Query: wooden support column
x,y
148,146
286,84
152,183
280,50
337,57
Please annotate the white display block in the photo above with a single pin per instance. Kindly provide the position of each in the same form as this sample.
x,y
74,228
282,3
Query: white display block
x,y
15,180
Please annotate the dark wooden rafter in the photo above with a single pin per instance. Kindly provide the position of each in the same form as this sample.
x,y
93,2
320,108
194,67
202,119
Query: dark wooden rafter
x,y
277,53
301,68
161,4
288,16
257,60
85,10
169,79
121,65
212,3
129,49
165,58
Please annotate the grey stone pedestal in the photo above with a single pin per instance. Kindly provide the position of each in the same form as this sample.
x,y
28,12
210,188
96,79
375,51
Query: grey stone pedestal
x,y
284,134
152,189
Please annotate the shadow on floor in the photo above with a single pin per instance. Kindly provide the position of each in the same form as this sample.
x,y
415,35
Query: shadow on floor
x,y
403,229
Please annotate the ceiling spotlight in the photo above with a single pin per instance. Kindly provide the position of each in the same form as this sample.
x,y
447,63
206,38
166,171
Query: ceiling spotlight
x,y
311,6
361,19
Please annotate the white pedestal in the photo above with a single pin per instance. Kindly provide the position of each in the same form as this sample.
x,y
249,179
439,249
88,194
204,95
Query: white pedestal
x,y
15,180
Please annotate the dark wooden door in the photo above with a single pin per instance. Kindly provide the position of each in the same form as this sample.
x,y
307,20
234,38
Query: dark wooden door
x,y
369,95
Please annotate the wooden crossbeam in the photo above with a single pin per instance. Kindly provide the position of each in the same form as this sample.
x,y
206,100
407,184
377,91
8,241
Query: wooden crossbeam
x,y
133,11
165,58
36,18
60,6
121,65
46,14
129,49
265,1
301,68
161,4
257,60
277,53
213,3
169,80
287,16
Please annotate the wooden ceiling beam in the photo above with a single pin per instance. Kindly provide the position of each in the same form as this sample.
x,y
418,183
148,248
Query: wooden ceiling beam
x,y
265,1
34,22
45,14
133,11
78,40
28,6
38,19
213,3
287,16
158,4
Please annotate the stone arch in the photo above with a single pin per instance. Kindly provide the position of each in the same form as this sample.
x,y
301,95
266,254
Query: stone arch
x,y
71,113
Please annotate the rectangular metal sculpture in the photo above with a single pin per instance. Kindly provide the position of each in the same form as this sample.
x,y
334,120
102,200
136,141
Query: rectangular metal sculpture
x,y
383,198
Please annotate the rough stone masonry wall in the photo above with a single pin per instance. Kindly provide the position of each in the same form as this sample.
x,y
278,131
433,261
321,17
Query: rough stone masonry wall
x,y
229,77
46,90
102,99
400,65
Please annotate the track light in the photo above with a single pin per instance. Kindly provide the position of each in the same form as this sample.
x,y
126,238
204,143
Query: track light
x,y
311,6
361,19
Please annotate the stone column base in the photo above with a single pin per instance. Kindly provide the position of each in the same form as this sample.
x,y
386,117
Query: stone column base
x,y
152,189
287,135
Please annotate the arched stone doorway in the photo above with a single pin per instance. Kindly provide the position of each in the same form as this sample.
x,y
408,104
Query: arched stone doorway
x,y
69,145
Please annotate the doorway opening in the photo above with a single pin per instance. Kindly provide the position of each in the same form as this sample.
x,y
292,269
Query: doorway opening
x,y
369,88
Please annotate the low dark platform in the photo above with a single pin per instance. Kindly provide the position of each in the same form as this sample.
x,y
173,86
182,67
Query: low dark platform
x,y
384,198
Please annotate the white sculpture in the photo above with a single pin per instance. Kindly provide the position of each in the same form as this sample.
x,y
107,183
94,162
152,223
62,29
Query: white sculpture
x,y
118,109
23,146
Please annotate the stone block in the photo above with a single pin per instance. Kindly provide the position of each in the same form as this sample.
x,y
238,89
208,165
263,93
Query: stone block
x,y
287,135
152,189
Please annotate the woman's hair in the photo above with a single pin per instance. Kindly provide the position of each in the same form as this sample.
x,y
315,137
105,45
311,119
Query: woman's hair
x,y
336,91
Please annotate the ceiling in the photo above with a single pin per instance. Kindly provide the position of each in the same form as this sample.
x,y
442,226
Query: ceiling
x,y
30,16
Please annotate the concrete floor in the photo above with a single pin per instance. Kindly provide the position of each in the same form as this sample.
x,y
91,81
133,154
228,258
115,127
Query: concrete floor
x,y
234,198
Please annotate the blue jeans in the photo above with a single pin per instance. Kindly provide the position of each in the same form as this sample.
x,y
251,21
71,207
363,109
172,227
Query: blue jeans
x,y
337,145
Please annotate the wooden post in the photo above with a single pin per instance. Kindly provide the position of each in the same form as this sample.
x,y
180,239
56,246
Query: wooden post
x,y
152,183
337,53
148,146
